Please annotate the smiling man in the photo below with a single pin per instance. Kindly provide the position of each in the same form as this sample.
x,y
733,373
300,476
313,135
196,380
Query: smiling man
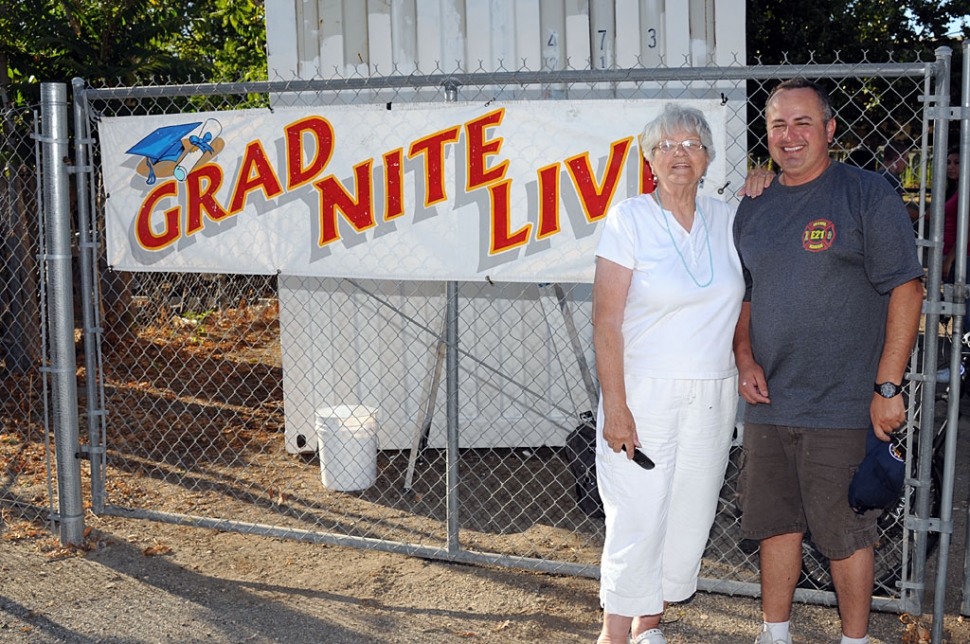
x,y
829,318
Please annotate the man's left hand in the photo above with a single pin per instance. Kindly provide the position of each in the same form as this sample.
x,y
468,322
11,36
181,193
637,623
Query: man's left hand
x,y
758,179
887,415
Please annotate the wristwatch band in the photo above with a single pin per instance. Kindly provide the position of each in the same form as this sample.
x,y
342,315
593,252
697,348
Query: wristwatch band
x,y
888,389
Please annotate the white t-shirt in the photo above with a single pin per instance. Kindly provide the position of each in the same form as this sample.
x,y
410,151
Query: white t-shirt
x,y
672,327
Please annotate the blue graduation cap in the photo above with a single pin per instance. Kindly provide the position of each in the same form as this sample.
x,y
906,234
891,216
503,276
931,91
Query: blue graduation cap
x,y
879,480
164,144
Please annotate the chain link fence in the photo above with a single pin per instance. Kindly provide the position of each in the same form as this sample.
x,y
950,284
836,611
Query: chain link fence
x,y
25,475
209,388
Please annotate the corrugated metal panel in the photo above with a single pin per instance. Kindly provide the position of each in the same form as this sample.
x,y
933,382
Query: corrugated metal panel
x,y
578,46
355,24
329,46
312,38
730,28
602,29
701,31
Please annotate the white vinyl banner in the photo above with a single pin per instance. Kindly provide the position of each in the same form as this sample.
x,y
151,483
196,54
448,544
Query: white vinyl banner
x,y
456,191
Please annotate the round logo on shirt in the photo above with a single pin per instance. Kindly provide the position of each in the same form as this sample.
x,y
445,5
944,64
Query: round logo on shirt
x,y
818,236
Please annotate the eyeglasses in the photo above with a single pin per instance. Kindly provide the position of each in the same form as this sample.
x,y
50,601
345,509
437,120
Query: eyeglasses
x,y
666,146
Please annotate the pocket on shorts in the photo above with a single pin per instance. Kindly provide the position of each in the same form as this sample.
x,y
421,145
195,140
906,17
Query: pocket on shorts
x,y
742,480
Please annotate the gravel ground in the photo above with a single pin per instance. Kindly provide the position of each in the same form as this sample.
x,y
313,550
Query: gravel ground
x,y
147,582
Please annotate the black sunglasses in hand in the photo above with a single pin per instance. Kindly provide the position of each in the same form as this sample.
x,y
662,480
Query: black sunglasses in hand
x,y
640,458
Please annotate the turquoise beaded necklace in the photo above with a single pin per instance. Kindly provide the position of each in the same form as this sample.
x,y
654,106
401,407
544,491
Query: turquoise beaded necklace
x,y
707,237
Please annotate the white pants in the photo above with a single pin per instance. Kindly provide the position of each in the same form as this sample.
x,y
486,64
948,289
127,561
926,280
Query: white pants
x,y
658,521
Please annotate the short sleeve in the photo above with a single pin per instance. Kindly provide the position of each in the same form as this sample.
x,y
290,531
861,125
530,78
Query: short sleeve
x,y
890,247
736,231
617,240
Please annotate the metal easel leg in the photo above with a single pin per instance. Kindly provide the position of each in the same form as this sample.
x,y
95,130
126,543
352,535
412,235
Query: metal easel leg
x,y
567,316
422,427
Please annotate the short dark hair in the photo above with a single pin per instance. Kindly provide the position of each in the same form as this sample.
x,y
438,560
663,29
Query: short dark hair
x,y
803,83
894,150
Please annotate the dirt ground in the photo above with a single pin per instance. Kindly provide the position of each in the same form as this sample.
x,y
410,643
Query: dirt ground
x,y
147,582
144,582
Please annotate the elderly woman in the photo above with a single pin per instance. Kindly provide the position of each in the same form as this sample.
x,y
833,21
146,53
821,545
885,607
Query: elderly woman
x,y
666,297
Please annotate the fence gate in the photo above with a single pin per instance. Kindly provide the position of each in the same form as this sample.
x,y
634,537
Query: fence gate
x,y
203,390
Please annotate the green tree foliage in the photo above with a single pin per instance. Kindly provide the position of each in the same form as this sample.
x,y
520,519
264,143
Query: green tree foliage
x,y
854,31
128,41
848,30
230,37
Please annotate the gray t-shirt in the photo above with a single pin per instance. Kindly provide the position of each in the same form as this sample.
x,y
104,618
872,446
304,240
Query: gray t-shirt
x,y
820,261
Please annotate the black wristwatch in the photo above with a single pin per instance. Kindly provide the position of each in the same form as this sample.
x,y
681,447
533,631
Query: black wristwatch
x,y
888,389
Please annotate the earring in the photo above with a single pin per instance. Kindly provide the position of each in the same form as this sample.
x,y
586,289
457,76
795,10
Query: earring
x,y
700,182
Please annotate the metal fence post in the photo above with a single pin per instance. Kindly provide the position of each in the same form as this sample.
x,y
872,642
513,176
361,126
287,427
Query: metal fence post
x,y
451,379
963,203
930,337
88,247
57,224
953,406
451,391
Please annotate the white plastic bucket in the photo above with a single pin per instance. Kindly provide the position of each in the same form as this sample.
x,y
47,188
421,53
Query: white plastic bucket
x,y
347,445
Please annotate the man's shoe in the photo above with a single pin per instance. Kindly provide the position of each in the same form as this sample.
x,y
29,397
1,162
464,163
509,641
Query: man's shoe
x,y
653,636
765,638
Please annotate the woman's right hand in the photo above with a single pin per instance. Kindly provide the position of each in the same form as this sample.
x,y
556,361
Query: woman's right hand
x,y
620,430
752,384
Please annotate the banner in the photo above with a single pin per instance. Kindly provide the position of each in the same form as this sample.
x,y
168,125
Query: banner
x,y
456,191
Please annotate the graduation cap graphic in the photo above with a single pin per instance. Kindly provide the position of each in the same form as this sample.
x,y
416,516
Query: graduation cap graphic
x,y
163,145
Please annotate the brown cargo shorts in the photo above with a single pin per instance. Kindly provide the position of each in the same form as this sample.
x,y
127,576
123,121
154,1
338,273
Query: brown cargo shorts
x,y
796,479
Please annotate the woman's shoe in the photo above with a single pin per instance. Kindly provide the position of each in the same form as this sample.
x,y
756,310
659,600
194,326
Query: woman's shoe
x,y
653,636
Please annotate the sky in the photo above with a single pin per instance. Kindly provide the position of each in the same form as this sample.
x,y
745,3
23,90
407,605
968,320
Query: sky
x,y
955,27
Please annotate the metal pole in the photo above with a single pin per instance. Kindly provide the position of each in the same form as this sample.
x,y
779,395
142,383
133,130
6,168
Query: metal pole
x,y
963,205
451,378
562,78
953,407
451,391
88,248
921,522
567,317
57,219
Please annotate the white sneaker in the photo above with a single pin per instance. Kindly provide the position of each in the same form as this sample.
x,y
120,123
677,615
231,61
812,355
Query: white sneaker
x,y
653,636
765,638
